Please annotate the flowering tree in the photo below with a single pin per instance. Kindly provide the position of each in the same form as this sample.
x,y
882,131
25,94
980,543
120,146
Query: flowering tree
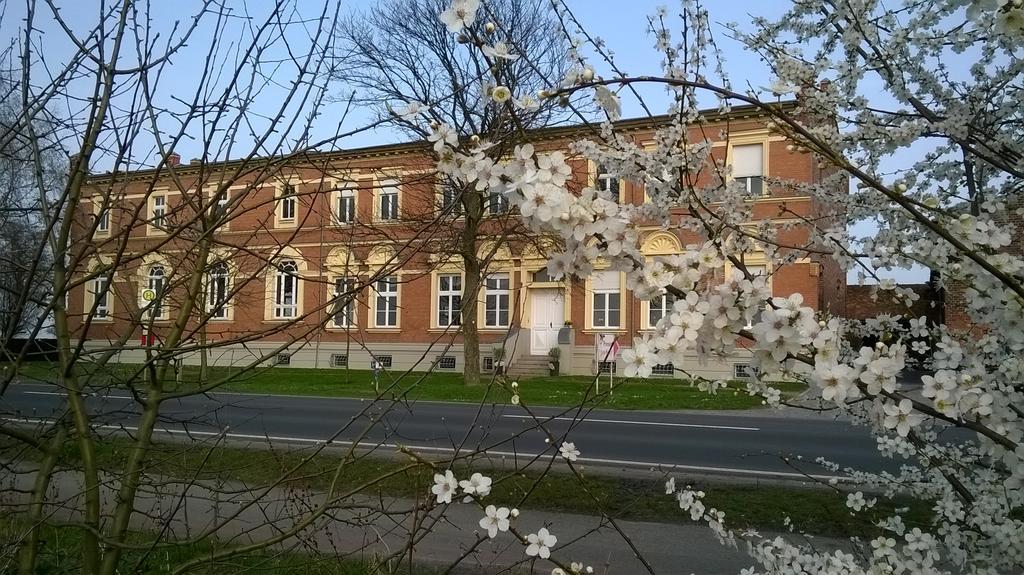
x,y
869,81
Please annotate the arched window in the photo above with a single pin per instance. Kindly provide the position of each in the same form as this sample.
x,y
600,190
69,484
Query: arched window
x,y
218,288
157,283
286,290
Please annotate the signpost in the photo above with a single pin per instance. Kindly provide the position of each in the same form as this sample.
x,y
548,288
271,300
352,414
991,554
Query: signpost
x,y
606,349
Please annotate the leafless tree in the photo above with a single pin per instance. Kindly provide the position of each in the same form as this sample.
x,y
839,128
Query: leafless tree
x,y
399,53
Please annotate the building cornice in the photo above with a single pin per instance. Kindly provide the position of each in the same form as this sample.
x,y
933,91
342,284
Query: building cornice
x,y
327,160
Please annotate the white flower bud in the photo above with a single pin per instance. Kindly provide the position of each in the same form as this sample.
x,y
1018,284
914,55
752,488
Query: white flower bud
x,y
490,27
587,75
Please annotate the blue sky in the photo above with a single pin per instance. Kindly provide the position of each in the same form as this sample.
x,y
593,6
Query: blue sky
x,y
622,25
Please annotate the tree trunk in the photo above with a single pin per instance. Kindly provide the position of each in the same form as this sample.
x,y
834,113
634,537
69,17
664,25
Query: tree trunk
x,y
470,335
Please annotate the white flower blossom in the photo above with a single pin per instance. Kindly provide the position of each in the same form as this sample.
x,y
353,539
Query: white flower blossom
x,y
540,543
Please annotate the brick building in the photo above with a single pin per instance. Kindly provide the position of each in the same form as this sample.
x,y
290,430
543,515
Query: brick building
x,y
281,237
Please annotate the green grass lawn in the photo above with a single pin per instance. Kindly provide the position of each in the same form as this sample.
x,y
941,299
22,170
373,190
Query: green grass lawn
x,y
550,391
60,553
817,510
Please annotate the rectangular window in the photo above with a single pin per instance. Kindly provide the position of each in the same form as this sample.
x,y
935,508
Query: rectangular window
x,y
608,182
346,209
446,362
345,303
287,204
743,371
663,369
451,201
497,203
219,209
606,298
339,360
496,300
159,211
103,221
384,361
283,359
101,297
386,306
658,308
387,207
748,167
449,300
217,298
487,363
606,367
756,271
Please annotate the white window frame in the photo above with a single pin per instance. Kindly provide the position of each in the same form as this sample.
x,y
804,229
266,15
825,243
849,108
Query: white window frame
x,y
608,182
497,204
450,200
218,300
344,309
450,296
344,209
390,188
751,269
494,297
157,283
603,296
99,290
664,307
283,279
103,220
158,212
287,201
385,300
748,176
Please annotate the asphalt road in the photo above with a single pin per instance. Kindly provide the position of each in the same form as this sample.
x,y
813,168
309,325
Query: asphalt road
x,y
751,444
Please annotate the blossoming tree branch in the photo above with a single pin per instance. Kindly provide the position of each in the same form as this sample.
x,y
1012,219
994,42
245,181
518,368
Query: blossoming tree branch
x,y
870,84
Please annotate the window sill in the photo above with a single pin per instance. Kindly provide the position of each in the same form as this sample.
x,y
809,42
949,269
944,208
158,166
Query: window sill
x,y
598,330
383,330
342,328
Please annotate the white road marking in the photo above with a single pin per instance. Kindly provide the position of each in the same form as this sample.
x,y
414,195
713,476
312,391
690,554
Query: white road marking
x,y
649,464
86,395
627,422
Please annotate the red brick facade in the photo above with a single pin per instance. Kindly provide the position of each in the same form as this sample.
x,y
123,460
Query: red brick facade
x,y
253,240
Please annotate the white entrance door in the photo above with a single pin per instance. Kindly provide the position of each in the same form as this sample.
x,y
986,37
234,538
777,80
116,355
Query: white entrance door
x,y
548,315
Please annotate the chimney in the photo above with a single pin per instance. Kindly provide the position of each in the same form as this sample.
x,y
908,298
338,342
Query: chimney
x,y
173,159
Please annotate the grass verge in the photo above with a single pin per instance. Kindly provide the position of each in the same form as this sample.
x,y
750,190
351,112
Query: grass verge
x,y
766,507
60,552
563,391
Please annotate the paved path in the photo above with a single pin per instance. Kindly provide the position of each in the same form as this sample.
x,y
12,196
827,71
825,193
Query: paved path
x,y
749,444
375,527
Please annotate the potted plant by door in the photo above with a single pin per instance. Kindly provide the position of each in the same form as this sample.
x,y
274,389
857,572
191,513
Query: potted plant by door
x,y
553,355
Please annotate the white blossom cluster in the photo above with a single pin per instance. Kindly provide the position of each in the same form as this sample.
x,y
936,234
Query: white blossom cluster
x,y
943,211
